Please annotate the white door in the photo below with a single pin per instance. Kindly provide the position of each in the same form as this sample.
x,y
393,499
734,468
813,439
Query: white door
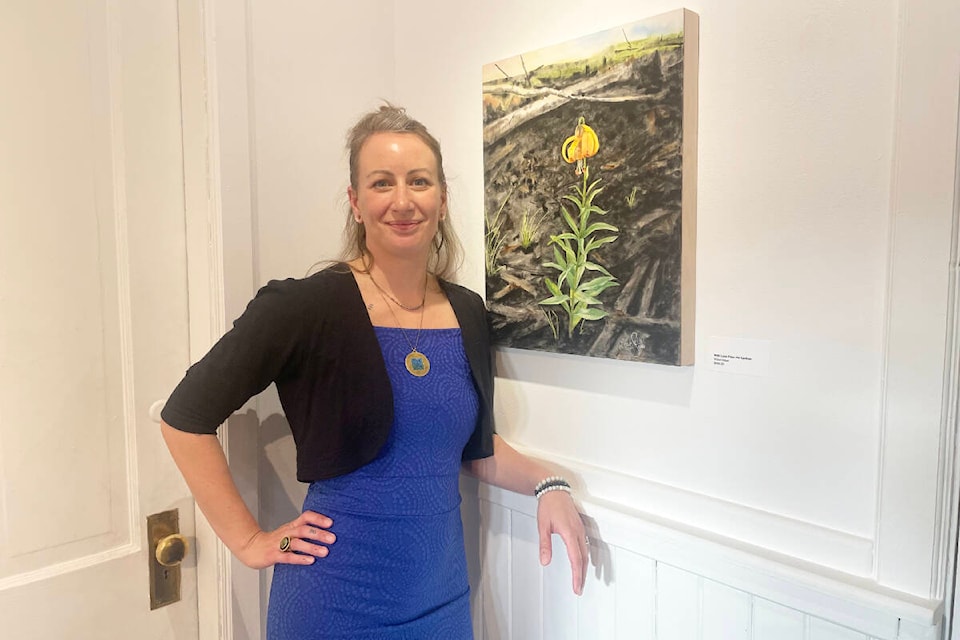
x,y
93,315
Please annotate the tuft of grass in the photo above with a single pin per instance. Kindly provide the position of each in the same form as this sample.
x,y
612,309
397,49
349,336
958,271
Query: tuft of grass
x,y
493,237
553,320
632,198
530,228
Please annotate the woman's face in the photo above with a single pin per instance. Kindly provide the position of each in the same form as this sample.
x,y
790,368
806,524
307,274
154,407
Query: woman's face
x,y
398,197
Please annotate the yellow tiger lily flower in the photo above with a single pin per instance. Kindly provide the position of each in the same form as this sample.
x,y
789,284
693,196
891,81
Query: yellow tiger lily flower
x,y
581,145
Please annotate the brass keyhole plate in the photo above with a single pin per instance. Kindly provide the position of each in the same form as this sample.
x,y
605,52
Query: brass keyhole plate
x,y
167,550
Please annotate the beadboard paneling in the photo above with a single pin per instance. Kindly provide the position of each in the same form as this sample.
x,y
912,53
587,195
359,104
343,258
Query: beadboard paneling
x,y
648,582
635,595
559,602
725,613
598,605
775,622
495,581
678,603
821,630
526,577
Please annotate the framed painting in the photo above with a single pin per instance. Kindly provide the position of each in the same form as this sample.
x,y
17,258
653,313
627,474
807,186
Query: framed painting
x,y
589,152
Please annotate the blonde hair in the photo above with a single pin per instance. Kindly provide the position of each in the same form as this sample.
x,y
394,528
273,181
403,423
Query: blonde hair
x,y
448,252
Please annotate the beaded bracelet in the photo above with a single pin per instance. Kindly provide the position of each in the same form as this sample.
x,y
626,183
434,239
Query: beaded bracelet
x,y
554,487
551,483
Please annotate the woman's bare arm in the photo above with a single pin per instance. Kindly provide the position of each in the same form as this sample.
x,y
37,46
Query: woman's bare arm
x,y
201,460
556,512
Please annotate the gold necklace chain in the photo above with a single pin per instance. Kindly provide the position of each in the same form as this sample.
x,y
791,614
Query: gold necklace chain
x,y
384,292
417,363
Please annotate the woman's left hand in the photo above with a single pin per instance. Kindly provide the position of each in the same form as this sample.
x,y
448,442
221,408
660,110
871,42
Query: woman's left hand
x,y
557,513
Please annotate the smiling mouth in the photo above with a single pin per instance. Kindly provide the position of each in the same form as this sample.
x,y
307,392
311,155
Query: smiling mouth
x,y
410,224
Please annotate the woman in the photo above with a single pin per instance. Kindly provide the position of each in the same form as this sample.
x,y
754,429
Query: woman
x,y
384,371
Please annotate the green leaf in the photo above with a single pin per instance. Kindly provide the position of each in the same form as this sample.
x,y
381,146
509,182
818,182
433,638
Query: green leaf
x,y
598,285
552,287
553,265
593,314
590,195
599,226
561,243
599,242
575,200
585,298
593,266
570,222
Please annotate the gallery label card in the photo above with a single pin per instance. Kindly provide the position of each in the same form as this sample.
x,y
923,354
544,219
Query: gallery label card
x,y
739,355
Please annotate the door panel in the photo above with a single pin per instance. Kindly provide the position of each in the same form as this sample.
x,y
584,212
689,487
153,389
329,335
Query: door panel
x,y
93,314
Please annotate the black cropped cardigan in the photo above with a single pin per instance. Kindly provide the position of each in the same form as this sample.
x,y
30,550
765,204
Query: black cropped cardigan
x,y
313,338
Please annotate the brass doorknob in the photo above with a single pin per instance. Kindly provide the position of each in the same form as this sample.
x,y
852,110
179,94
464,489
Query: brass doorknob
x,y
171,550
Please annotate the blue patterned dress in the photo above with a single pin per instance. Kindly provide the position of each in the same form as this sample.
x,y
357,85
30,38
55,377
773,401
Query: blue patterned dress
x,y
398,568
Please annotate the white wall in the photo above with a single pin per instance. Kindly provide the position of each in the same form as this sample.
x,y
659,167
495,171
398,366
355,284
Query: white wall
x,y
313,69
802,107
796,115
826,161
291,76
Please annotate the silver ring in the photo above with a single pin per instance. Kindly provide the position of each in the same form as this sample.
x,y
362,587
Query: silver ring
x,y
586,540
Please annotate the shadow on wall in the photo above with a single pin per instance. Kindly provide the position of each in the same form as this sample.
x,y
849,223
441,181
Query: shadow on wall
x,y
263,464
633,380
281,494
601,558
470,516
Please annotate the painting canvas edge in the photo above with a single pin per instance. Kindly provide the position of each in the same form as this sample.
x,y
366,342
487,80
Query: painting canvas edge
x,y
688,215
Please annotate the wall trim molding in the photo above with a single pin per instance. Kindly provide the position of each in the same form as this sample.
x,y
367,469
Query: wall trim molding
x,y
852,601
711,518
949,481
203,225
912,535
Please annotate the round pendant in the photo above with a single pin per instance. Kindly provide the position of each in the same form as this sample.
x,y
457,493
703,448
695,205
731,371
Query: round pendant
x,y
417,364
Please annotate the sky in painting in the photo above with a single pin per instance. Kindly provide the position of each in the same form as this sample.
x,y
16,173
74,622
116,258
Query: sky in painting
x,y
585,46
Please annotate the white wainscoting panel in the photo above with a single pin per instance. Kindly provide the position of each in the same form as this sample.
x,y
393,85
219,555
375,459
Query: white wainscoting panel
x,y
647,581
598,606
495,571
678,603
725,613
819,630
559,602
526,580
774,622
634,582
